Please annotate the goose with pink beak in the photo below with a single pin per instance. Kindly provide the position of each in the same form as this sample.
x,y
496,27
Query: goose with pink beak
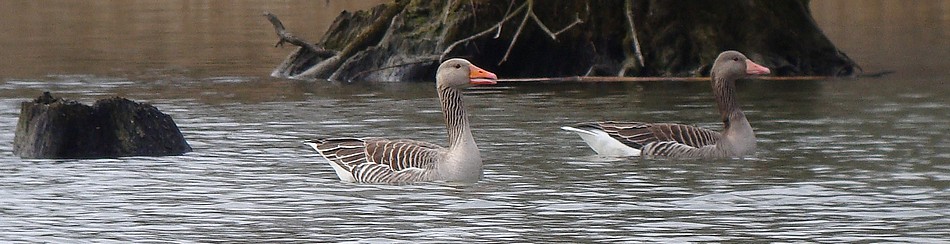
x,y
645,139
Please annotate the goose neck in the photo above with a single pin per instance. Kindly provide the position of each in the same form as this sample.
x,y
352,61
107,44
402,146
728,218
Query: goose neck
x,y
456,120
724,90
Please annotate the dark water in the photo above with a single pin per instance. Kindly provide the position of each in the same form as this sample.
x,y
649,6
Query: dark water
x,y
838,161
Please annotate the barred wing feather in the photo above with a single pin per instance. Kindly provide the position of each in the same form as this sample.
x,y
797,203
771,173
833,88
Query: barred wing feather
x,y
380,160
638,134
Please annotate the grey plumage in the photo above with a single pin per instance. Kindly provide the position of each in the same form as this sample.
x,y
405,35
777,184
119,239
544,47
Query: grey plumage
x,y
639,134
378,160
684,141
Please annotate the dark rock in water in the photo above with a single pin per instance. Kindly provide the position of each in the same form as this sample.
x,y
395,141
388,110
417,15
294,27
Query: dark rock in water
x,y
51,127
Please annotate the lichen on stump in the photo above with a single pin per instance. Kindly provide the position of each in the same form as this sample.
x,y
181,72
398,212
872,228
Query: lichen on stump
x,y
51,127
406,39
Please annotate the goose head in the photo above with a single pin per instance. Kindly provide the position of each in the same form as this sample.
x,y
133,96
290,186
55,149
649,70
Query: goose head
x,y
460,73
733,65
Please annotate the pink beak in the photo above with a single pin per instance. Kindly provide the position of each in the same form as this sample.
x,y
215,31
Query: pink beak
x,y
753,68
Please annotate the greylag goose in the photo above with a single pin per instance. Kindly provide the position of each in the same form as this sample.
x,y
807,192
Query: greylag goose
x,y
377,160
683,141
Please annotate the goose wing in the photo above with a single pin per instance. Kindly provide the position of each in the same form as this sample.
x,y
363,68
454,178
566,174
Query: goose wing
x,y
639,134
377,159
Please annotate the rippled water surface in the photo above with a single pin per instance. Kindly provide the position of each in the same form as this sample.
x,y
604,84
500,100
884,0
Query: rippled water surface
x,y
838,160
834,163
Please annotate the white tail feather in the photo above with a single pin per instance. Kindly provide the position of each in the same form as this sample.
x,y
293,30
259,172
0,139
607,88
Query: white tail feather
x,y
602,143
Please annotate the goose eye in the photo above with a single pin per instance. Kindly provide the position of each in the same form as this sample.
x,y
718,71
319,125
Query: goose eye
x,y
735,59
458,66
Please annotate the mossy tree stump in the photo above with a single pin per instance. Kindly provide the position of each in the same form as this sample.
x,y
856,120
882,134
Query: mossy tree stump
x,y
406,39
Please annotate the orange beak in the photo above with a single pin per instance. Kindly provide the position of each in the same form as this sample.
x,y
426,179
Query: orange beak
x,y
753,68
479,76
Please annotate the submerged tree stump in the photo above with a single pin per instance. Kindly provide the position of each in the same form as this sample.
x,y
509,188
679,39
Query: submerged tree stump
x,y
406,39
51,127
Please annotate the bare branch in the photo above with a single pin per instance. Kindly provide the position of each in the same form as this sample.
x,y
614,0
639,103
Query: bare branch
x,y
285,36
528,8
480,34
507,11
517,32
474,16
553,35
628,9
577,20
445,11
543,27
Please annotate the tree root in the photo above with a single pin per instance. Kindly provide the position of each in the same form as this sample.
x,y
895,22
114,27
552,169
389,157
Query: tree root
x,y
422,60
331,60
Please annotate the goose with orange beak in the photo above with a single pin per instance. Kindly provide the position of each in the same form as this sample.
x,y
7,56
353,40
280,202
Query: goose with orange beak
x,y
378,160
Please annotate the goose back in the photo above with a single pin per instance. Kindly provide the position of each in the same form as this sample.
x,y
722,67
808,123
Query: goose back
x,y
639,134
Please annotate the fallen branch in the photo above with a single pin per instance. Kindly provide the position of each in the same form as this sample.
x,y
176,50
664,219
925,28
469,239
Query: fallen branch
x,y
285,36
615,79
600,79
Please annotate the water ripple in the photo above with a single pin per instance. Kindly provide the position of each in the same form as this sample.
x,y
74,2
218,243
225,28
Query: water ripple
x,y
880,175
